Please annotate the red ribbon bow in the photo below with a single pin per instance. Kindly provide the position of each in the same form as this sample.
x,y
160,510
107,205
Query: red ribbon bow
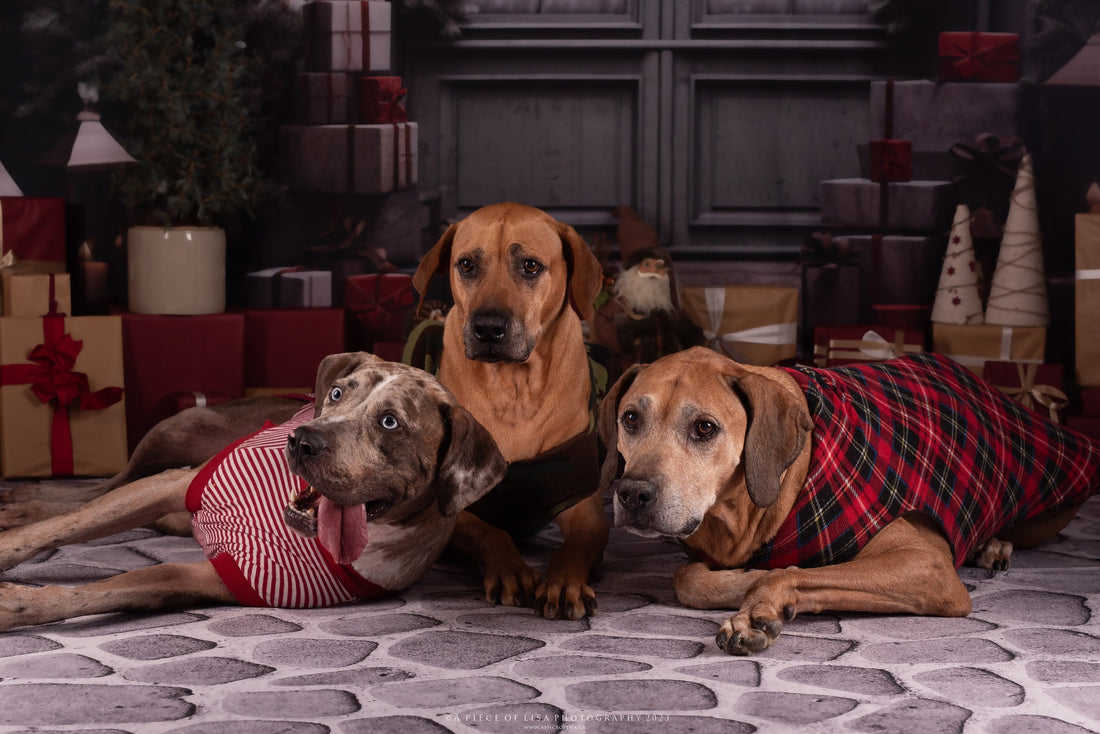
x,y
53,380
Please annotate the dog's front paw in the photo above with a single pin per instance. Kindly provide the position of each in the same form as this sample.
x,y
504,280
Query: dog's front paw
x,y
510,584
753,630
563,599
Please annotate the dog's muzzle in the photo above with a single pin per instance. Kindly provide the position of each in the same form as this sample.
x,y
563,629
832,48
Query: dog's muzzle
x,y
491,336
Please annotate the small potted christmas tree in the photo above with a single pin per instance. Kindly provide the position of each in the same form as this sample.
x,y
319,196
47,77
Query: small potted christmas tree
x,y
183,74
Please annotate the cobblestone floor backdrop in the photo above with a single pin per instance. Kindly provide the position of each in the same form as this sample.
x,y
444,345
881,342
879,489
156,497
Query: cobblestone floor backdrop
x,y
438,659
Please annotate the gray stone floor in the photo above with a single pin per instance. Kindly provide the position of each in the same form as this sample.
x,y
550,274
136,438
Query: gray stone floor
x,y
438,659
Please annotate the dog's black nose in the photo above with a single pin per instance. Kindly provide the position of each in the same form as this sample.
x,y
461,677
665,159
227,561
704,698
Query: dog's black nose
x,y
304,443
490,328
635,494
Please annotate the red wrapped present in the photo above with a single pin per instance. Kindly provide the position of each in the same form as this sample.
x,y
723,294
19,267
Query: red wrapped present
x,y
839,345
1090,402
972,56
32,230
61,406
1038,387
381,305
283,347
169,355
382,99
891,160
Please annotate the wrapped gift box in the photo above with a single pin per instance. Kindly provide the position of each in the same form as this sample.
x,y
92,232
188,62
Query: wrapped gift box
x,y
30,295
169,355
840,345
905,270
347,35
62,411
830,295
891,160
324,98
284,347
756,324
971,56
183,400
1087,298
32,230
933,117
288,288
912,206
1038,387
972,345
379,307
360,159
1090,402
382,99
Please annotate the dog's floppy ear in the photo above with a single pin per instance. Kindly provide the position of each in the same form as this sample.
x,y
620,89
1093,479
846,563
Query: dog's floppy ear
x,y
436,262
585,273
608,425
778,424
332,368
470,462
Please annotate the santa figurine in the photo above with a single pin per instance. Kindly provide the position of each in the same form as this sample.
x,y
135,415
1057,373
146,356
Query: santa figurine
x,y
641,320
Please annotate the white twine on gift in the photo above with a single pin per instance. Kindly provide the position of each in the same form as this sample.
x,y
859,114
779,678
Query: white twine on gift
x,y
200,399
1091,274
777,334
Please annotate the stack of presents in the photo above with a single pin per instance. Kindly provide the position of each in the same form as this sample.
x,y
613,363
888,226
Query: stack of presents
x,y
77,392
936,248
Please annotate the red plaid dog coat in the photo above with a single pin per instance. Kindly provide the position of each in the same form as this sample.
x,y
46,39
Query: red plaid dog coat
x,y
237,503
922,434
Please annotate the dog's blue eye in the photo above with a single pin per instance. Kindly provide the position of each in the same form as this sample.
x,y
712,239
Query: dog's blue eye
x,y
335,394
388,422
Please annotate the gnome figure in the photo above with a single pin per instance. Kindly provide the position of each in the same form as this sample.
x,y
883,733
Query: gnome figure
x,y
642,321
958,300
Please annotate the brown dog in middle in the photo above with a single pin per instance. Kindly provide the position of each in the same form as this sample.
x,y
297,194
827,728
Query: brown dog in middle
x,y
514,356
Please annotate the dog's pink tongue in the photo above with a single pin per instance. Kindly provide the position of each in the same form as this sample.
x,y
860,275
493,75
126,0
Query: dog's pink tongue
x,y
342,530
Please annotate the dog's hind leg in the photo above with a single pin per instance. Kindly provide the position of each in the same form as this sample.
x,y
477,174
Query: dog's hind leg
x,y
992,555
150,589
127,507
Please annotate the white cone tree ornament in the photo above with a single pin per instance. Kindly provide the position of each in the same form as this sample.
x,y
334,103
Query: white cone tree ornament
x,y
957,298
1018,292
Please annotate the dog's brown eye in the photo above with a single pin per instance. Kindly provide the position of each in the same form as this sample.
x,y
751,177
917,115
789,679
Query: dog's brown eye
x,y
630,420
532,267
705,429
465,266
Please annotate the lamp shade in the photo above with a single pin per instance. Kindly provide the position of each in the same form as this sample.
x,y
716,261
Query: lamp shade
x,y
8,187
94,147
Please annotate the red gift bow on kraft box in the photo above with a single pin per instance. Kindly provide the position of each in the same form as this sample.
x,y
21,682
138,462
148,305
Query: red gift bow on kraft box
x,y
53,380
382,99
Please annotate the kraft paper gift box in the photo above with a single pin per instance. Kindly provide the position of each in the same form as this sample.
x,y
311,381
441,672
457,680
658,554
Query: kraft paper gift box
x,y
30,295
347,35
972,345
325,98
840,345
911,206
288,288
379,307
972,56
62,411
1038,387
934,116
757,324
168,355
349,159
284,347
1087,298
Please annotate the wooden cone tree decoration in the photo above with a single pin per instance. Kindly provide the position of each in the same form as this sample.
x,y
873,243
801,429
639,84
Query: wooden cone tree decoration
x,y
1018,294
957,298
